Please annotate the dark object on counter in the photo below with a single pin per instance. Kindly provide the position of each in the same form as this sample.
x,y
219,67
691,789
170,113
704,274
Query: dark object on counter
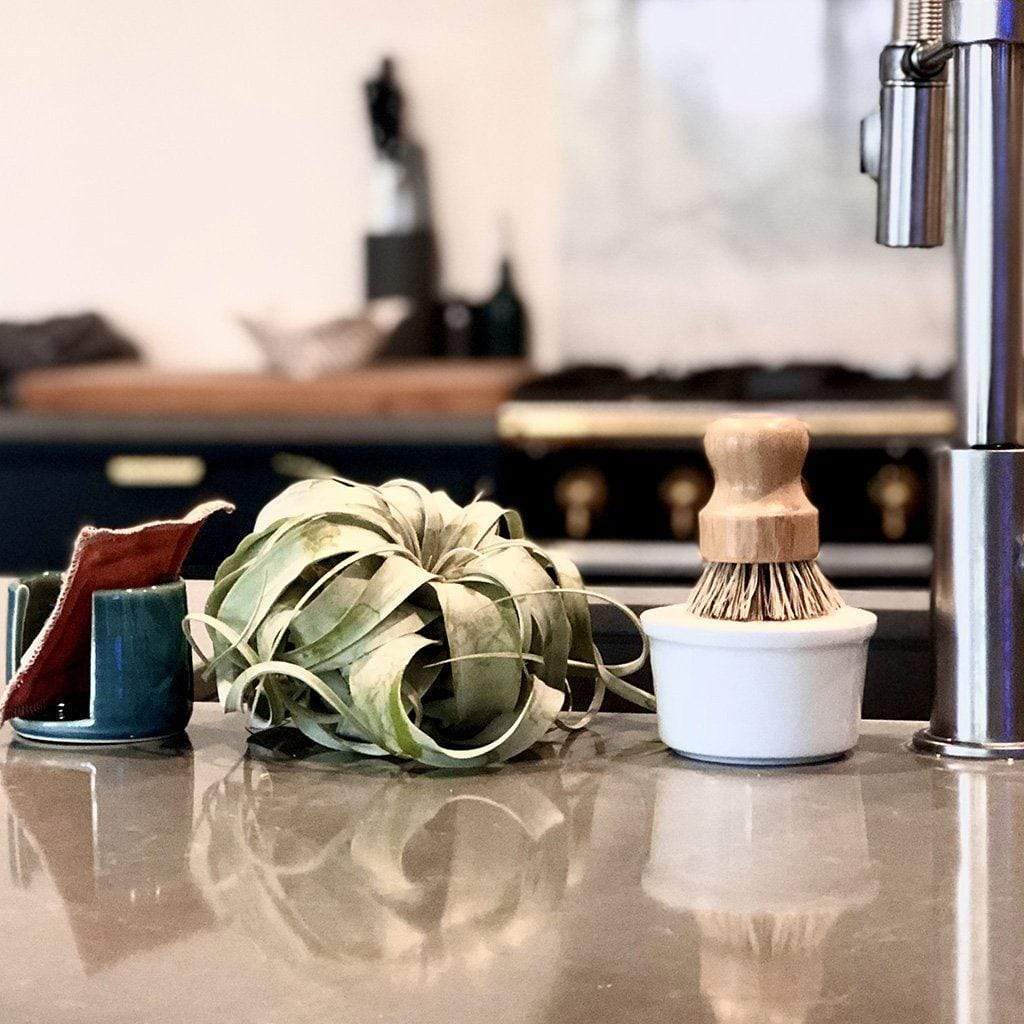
x,y
457,322
401,264
60,341
405,265
811,382
500,324
401,256
385,102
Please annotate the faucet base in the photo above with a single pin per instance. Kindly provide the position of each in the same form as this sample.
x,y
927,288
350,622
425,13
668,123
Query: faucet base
x,y
928,743
978,604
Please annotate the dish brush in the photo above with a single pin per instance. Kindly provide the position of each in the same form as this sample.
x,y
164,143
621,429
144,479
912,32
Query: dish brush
x,y
759,530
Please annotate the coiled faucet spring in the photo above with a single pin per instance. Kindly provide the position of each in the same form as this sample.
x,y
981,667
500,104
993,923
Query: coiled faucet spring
x,y
917,21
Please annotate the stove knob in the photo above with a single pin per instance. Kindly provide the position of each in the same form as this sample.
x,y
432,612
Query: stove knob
x,y
895,490
583,493
685,492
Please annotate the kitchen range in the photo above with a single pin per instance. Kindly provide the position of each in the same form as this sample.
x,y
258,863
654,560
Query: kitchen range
x,y
612,465
607,466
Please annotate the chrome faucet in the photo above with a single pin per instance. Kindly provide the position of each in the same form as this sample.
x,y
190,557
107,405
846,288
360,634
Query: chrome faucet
x,y
978,576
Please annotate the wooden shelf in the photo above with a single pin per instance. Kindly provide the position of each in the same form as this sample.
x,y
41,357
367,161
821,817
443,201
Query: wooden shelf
x,y
413,388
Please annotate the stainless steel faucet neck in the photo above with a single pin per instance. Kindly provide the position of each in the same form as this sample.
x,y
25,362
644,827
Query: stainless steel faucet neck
x,y
978,581
983,21
988,93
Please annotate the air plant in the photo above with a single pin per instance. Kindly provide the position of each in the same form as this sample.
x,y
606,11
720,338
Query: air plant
x,y
392,621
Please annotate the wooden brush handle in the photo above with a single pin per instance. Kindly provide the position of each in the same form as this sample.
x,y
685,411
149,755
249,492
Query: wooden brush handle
x,y
758,511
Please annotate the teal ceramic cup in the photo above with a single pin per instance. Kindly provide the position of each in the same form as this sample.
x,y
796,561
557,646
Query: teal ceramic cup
x,y
140,663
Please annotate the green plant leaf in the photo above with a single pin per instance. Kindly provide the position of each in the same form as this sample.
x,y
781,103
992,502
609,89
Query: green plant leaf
x,y
376,690
307,543
473,624
537,594
393,583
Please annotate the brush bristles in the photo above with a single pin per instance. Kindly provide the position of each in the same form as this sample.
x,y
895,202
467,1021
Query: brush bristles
x,y
773,591
767,934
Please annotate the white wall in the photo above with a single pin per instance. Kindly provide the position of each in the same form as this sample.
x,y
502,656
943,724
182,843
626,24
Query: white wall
x,y
175,162
717,216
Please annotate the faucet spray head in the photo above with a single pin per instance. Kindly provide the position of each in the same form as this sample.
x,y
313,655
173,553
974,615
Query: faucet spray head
x,y
903,145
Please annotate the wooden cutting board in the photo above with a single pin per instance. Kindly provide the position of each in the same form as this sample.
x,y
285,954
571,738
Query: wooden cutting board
x,y
413,388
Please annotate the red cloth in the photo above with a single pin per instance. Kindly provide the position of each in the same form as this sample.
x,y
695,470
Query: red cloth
x,y
57,662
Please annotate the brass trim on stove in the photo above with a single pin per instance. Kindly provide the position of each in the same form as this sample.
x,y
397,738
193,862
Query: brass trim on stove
x,y
575,422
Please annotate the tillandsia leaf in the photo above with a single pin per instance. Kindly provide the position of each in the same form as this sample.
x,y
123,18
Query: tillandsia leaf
x,y
394,583
260,585
537,595
474,624
433,532
408,498
403,621
376,690
473,524
215,628
376,686
335,592
308,497
271,631
392,621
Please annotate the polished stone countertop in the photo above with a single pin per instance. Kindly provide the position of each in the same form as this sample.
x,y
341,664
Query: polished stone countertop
x,y
604,880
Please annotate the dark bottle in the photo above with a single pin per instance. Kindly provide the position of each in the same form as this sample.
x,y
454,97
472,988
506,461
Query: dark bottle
x,y
500,323
400,251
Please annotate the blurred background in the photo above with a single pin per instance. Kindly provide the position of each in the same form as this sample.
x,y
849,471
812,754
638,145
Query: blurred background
x,y
524,247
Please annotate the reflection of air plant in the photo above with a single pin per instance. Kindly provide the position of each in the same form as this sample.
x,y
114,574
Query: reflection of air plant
x,y
391,620
331,872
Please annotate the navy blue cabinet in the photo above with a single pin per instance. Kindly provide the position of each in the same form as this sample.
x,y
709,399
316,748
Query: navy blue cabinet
x,y
57,478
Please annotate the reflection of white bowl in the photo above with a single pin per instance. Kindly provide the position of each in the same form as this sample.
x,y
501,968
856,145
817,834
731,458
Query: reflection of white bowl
x,y
766,863
759,692
739,843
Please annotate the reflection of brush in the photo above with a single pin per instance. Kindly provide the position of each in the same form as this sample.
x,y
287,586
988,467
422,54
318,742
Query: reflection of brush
x,y
763,967
759,531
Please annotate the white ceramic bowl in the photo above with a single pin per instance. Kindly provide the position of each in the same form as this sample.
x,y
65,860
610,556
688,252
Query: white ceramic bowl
x,y
759,692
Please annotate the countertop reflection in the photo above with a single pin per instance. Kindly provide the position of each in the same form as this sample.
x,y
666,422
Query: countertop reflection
x,y
604,880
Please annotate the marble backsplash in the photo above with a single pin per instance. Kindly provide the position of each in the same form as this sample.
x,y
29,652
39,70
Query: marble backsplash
x,y
713,207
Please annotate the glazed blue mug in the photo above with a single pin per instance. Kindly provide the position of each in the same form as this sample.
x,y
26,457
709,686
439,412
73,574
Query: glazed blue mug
x,y
140,664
